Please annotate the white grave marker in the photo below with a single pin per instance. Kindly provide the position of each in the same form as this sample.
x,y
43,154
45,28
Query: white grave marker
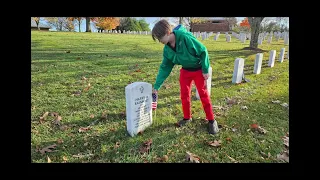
x,y
271,58
258,63
138,107
238,70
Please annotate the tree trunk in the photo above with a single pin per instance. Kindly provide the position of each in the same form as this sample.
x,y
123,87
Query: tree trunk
x,y
180,20
255,23
88,28
79,26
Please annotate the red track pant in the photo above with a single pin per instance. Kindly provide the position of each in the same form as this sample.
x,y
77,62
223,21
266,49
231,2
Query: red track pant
x,y
186,78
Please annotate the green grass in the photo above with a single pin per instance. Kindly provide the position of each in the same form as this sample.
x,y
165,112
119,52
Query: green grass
x,y
109,61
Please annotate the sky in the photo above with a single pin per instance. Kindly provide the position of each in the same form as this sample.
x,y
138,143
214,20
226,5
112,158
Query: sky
x,y
150,20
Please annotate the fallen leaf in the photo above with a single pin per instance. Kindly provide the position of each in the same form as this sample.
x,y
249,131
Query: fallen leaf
x,y
85,144
234,129
117,145
84,129
91,116
63,127
228,139
87,88
57,121
83,78
49,160
233,160
43,117
218,113
104,115
261,130
146,147
164,158
277,101
77,93
286,141
47,149
192,158
254,126
231,101
284,105
215,143
244,107
64,159
59,141
283,157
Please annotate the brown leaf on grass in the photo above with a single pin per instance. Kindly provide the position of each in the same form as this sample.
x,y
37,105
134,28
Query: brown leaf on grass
x,y
117,145
138,70
192,157
215,143
87,88
47,149
254,126
233,160
64,127
228,139
231,101
49,160
286,141
84,129
146,146
261,130
64,159
283,156
83,78
103,115
218,113
91,116
59,141
77,93
57,121
43,117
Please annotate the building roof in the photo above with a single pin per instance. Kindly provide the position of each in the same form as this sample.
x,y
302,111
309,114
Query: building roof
x,y
34,24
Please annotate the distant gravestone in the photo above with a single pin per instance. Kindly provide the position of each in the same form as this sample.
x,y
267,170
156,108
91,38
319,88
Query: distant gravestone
x,y
228,37
270,39
138,107
238,70
258,63
260,40
271,58
286,39
208,84
282,55
215,37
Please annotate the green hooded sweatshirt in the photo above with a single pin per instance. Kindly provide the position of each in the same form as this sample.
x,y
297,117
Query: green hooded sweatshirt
x,y
190,53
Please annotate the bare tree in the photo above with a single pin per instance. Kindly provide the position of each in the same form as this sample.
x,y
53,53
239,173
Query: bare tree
x,y
255,23
60,23
232,21
37,20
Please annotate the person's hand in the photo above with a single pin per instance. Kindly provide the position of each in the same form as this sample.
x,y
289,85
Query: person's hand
x,y
205,76
155,91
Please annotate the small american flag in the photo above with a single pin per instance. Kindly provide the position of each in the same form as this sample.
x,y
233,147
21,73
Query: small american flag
x,y
154,101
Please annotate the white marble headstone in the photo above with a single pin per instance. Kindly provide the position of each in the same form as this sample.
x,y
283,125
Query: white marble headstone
x,y
258,63
138,107
238,70
271,58
281,54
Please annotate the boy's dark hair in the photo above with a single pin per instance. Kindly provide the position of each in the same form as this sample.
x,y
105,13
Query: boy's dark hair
x,y
160,29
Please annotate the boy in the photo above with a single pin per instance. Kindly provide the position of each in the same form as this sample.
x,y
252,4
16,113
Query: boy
x,y
182,48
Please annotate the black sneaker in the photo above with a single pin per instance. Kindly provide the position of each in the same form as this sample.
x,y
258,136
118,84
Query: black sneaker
x,y
183,122
213,128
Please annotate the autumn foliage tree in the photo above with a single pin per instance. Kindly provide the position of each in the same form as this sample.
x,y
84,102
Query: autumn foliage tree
x,y
78,21
106,23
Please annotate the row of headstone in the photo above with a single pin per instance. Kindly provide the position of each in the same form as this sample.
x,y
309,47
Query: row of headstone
x,y
128,32
239,64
